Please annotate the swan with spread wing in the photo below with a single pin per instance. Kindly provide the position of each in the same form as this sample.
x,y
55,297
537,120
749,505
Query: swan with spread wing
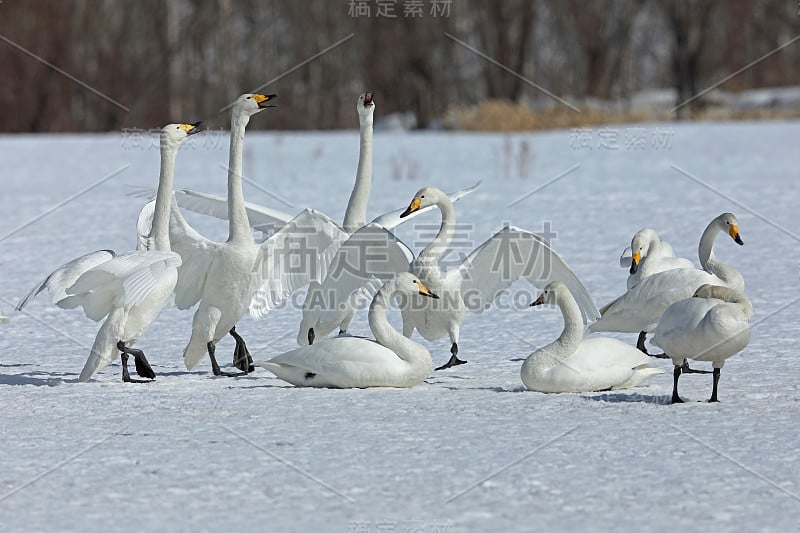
x,y
128,290
373,254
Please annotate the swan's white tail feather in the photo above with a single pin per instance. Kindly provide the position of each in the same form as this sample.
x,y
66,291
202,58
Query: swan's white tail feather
x,y
640,374
195,351
104,351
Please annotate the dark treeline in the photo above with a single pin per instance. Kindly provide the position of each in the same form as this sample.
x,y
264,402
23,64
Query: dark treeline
x,y
186,59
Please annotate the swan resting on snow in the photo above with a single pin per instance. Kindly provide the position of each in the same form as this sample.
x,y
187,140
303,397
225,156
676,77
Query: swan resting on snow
x,y
128,290
713,325
391,360
573,363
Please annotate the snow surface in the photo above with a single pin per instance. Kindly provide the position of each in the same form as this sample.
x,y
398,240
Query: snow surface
x,y
469,450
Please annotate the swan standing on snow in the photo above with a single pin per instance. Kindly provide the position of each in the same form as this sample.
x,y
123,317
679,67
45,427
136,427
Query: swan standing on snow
x,y
639,309
572,363
129,290
651,256
343,362
711,326
230,277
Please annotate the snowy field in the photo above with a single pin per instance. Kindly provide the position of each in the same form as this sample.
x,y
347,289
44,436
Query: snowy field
x,y
469,449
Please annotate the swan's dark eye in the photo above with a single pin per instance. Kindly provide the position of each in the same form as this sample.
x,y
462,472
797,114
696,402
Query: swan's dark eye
x,y
423,196
415,281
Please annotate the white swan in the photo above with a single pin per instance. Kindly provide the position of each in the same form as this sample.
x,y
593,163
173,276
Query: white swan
x,y
129,290
651,255
343,362
510,254
230,277
711,326
572,363
639,309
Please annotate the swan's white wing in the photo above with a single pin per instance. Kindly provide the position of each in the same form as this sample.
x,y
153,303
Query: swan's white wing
x,y
126,280
369,258
626,258
144,227
65,275
392,219
514,253
196,252
293,256
263,219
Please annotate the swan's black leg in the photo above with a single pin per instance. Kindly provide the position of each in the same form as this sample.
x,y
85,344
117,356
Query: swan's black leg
x,y
241,356
716,382
143,367
342,332
686,370
311,336
454,360
675,375
642,348
215,366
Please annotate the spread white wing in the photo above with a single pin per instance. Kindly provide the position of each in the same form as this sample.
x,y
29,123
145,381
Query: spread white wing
x,y
392,219
126,280
295,255
514,253
64,276
363,263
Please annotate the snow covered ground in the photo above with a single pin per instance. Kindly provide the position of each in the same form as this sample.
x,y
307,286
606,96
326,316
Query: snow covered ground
x,y
469,450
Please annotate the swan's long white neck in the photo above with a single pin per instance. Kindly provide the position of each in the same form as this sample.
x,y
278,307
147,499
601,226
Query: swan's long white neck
x,y
238,224
386,335
355,216
160,227
731,296
711,264
429,257
565,345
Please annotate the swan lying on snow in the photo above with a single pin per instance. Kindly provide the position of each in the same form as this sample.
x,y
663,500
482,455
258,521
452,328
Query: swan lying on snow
x,y
639,309
573,363
711,326
129,290
344,362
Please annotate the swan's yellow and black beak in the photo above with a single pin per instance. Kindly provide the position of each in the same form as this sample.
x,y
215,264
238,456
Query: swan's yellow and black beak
x,y
368,99
262,99
635,259
191,129
413,206
733,231
423,290
538,301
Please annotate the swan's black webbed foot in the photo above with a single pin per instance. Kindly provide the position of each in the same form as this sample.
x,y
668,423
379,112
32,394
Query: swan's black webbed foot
x,y
241,355
714,391
143,367
686,370
454,360
675,375
642,348
215,366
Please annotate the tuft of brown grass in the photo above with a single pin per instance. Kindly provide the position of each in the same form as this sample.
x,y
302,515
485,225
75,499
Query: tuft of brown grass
x,y
502,115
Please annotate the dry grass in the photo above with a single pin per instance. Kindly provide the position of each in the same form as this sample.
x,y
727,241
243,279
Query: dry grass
x,y
500,115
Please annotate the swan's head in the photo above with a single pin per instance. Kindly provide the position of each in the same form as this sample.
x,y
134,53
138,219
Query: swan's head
x,y
250,104
551,294
727,222
408,283
175,134
640,245
365,107
425,197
